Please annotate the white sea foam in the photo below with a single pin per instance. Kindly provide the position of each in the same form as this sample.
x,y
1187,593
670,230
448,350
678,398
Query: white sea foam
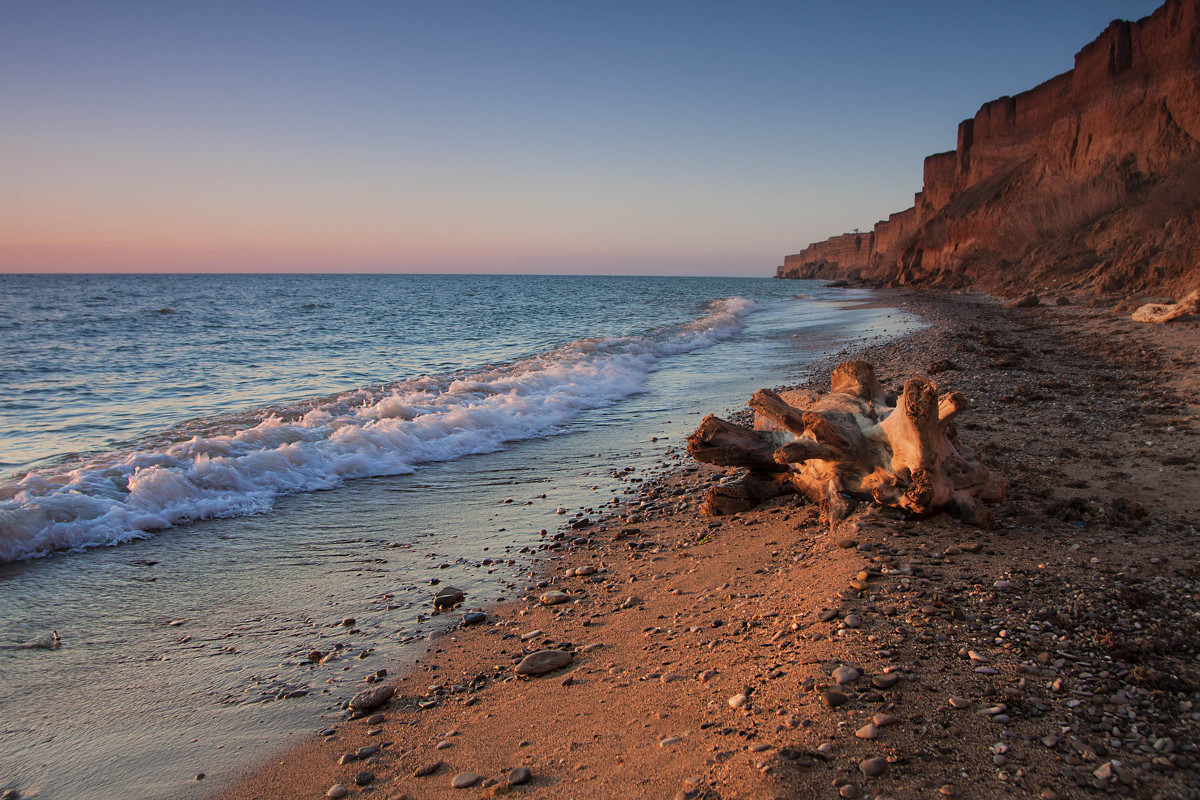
x,y
238,471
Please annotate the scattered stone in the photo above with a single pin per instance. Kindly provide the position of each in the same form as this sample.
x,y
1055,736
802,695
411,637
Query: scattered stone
x,y
519,775
371,699
886,680
465,780
845,674
428,769
947,790
337,791
375,719
670,740
543,661
850,791
873,767
554,598
852,620
868,731
833,698
883,720
448,597
364,778
1025,301
737,701
474,618
959,702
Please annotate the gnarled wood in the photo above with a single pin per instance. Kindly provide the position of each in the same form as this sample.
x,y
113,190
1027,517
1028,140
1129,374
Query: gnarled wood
x,y
852,443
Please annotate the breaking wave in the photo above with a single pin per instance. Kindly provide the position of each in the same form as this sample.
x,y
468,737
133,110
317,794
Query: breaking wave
x,y
240,466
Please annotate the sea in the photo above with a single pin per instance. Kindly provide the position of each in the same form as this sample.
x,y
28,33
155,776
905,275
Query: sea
x,y
205,477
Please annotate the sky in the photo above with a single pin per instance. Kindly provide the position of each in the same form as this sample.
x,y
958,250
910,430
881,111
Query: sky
x,y
501,136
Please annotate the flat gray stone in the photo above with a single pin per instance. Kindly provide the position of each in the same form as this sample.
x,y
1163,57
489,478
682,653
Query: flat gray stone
x,y
371,699
519,775
555,598
465,780
543,661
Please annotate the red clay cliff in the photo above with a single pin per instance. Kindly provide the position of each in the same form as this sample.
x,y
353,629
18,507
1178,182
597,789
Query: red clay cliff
x,y
1089,182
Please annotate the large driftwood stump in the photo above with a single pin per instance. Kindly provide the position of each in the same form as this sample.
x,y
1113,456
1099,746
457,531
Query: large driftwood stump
x,y
851,442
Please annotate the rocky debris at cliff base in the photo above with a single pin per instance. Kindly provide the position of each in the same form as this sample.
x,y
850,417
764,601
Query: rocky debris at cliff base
x,y
1028,300
1187,306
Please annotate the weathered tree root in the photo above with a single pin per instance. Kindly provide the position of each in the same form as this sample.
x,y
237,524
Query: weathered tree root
x,y
851,444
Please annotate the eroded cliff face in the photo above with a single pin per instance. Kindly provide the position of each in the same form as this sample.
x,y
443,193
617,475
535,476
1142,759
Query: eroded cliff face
x,y
1088,182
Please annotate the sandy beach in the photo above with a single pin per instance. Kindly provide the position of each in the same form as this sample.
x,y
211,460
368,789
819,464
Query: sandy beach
x,y
765,656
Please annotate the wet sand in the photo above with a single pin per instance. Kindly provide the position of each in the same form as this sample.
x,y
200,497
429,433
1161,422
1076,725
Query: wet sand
x,y
1053,656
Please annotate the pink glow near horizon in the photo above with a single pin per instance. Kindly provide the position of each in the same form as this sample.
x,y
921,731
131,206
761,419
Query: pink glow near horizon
x,y
673,138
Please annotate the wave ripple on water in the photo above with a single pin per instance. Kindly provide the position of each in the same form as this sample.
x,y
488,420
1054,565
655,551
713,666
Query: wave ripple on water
x,y
233,470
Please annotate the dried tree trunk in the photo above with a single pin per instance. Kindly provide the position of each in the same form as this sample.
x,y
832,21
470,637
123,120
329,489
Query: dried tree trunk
x,y
852,443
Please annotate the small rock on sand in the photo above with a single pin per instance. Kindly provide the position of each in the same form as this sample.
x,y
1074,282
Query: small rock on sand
x,y
543,661
519,775
868,731
337,791
845,674
873,767
428,769
371,699
555,598
465,780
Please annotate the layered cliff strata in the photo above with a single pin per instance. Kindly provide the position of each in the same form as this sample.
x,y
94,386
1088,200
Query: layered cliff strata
x,y
1088,182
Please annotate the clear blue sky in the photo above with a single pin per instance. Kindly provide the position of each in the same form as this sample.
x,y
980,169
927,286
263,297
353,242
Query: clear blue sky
x,y
647,137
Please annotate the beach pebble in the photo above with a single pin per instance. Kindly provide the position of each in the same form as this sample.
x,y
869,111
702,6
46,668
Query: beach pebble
x,y
737,701
959,702
947,790
825,748
337,791
886,680
519,775
554,598
828,614
852,620
444,745
428,769
348,622
465,780
883,720
371,699
873,767
543,661
375,719
474,618
868,731
448,597
670,740
833,698
845,674
850,791
364,778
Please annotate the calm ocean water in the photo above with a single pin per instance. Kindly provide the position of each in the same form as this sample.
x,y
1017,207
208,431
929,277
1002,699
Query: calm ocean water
x,y
201,475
